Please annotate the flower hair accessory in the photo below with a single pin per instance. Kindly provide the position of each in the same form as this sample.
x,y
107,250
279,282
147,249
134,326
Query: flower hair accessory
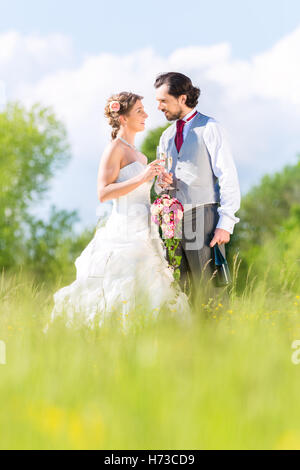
x,y
114,106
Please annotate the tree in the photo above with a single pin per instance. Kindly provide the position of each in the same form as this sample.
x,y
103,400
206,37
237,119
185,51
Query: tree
x,y
33,146
266,235
151,142
52,247
267,205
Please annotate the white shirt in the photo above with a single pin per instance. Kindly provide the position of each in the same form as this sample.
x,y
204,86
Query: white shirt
x,y
224,168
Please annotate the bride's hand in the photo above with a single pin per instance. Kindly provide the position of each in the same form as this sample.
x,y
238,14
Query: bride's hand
x,y
152,169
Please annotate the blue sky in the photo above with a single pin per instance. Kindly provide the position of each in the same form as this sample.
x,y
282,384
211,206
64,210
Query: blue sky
x,y
124,26
72,55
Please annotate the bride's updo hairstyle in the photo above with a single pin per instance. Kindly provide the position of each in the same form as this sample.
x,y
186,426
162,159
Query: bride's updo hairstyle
x,y
117,105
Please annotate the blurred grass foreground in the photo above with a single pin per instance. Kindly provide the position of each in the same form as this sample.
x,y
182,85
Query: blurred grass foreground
x,y
230,380
226,382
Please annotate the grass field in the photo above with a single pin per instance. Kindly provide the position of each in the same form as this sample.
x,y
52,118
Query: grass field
x,y
225,382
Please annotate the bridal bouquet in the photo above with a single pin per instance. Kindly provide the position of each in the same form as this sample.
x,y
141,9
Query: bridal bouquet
x,y
167,213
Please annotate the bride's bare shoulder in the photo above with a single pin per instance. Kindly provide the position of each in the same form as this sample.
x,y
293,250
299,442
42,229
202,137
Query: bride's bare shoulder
x,y
113,151
113,146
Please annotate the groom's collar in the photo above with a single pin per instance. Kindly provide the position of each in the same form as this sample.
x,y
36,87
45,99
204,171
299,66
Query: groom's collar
x,y
189,114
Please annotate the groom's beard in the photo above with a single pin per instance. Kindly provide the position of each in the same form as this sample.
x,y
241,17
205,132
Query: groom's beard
x,y
172,117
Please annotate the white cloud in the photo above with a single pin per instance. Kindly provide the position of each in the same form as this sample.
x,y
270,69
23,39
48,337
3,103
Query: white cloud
x,y
28,58
200,57
256,100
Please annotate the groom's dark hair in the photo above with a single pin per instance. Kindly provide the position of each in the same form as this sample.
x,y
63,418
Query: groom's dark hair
x,y
179,84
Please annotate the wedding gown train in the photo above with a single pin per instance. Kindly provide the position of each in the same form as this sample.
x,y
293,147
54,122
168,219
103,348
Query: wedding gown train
x,y
124,258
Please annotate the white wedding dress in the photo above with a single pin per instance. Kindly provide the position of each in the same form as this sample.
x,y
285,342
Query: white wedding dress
x,y
125,258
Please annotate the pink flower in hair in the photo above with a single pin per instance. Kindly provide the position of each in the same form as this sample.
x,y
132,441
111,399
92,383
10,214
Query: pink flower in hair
x,y
114,106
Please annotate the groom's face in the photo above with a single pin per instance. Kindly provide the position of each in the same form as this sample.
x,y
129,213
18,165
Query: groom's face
x,y
171,106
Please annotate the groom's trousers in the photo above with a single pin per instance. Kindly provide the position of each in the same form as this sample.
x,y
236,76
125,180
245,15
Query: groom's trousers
x,y
197,268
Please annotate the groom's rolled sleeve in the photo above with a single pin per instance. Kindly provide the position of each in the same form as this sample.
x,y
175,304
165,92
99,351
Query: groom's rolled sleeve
x,y
224,168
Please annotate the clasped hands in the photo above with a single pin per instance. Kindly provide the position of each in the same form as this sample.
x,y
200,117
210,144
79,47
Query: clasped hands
x,y
165,179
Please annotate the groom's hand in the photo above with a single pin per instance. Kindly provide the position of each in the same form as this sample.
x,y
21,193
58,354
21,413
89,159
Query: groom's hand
x,y
166,179
220,236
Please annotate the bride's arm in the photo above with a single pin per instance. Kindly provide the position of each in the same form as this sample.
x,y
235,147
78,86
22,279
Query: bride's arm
x,y
108,172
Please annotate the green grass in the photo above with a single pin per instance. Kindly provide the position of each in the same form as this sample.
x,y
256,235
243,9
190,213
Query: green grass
x,y
225,382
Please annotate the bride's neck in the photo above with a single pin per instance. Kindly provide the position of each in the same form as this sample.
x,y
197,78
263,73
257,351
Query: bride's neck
x,y
128,135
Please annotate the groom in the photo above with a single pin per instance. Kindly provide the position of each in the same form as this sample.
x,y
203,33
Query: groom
x,y
204,178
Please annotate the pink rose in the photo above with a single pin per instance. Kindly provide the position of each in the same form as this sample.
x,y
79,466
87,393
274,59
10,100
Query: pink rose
x,y
114,106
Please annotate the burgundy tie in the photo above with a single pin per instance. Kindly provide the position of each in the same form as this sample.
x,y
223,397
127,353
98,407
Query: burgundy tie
x,y
179,135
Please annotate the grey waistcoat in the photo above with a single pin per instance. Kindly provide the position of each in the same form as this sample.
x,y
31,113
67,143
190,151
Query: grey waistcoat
x,y
193,176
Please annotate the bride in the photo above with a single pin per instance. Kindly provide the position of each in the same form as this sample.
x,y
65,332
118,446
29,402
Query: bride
x,y
124,263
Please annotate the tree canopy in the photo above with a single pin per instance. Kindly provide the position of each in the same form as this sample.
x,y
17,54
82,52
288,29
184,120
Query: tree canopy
x,y
33,146
151,142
